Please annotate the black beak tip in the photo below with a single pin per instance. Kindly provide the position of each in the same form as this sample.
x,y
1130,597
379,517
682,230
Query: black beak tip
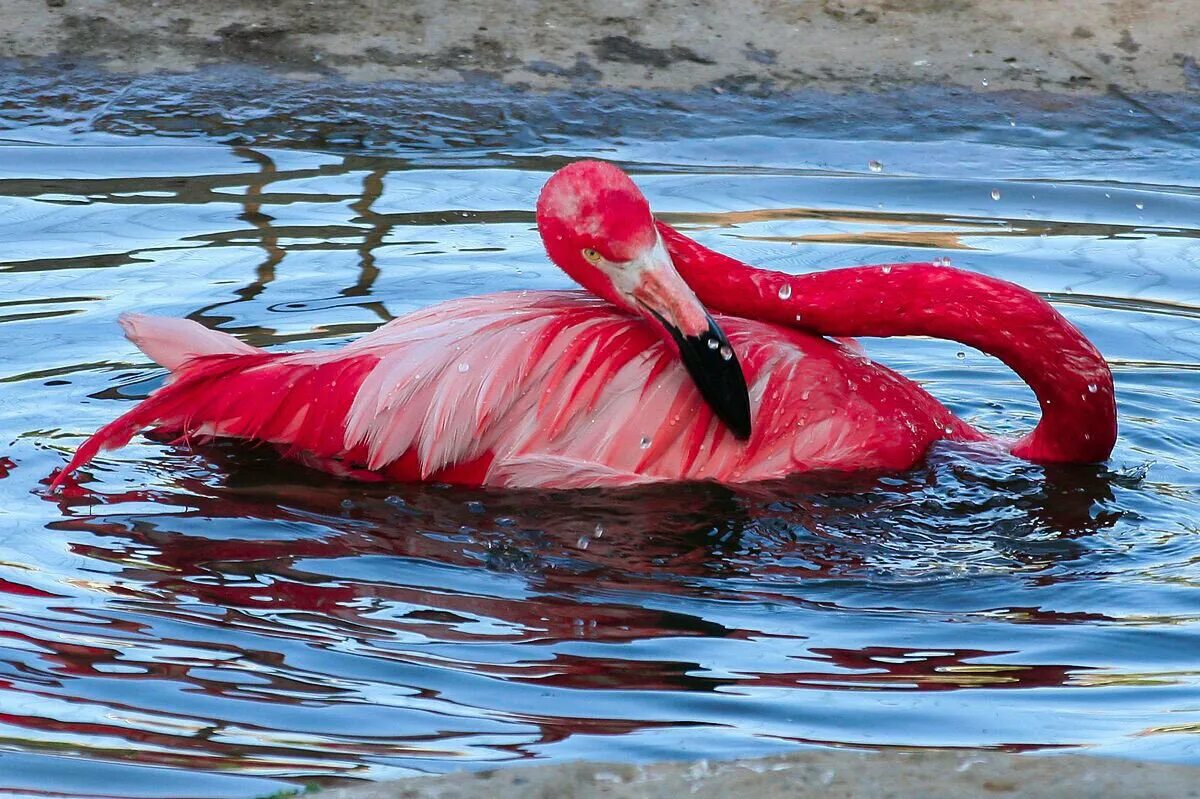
x,y
740,427
714,367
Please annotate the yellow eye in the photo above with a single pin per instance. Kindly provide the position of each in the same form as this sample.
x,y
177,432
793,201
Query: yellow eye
x,y
591,255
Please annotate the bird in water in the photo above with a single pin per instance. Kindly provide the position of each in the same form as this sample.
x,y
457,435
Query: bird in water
x,y
674,363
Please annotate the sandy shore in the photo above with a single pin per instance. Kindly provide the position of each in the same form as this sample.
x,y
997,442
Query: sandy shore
x,y
813,775
752,45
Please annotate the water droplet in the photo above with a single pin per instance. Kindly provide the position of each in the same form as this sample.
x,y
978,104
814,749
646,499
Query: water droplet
x,y
1093,388
726,353
582,543
948,430
797,317
475,506
874,166
887,270
943,261
463,368
1139,206
713,343
506,521
785,292
395,500
347,503
645,443
960,355
805,394
984,82
995,194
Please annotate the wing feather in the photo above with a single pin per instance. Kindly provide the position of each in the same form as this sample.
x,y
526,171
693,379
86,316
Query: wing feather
x,y
527,389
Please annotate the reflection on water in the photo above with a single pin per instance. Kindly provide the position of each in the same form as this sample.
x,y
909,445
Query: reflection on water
x,y
215,623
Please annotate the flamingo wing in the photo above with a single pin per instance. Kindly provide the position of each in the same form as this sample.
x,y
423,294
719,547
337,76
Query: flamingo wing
x,y
530,389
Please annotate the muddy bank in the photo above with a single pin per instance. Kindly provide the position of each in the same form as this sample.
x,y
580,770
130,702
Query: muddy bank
x,y
813,775
758,46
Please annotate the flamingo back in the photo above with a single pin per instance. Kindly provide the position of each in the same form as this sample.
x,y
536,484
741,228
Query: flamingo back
x,y
541,389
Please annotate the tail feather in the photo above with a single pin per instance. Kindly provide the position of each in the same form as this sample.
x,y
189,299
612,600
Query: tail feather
x,y
173,406
285,399
113,435
173,342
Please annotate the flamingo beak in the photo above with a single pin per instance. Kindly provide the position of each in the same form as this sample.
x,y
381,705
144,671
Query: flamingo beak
x,y
703,346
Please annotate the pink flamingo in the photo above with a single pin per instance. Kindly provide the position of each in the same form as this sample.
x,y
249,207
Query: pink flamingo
x,y
569,389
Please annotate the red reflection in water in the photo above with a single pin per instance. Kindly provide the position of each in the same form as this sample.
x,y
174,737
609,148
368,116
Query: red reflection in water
x,y
266,554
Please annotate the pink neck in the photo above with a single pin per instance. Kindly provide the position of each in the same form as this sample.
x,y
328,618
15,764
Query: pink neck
x,y
1068,375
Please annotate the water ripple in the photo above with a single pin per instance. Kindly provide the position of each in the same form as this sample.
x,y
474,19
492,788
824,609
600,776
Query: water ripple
x,y
213,623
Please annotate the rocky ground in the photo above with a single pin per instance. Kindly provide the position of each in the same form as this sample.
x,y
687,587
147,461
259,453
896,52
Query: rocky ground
x,y
813,775
749,45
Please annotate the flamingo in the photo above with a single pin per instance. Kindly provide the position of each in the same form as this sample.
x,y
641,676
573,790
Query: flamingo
x,y
677,363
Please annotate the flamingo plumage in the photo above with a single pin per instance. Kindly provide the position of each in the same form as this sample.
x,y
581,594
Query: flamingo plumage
x,y
678,363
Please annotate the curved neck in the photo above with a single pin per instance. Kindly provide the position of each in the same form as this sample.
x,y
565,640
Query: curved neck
x,y
1070,378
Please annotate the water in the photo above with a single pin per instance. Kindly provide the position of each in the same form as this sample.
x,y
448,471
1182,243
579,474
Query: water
x,y
215,624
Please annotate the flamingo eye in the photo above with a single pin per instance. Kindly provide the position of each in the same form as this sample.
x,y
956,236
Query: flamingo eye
x,y
591,255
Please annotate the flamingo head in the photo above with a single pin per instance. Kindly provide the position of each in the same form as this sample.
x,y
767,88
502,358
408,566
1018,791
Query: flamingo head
x,y
597,227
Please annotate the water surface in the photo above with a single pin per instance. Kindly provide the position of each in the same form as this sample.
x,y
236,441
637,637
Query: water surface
x,y
215,623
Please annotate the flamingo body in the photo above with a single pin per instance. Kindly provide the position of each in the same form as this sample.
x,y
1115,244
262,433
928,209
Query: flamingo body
x,y
635,382
535,389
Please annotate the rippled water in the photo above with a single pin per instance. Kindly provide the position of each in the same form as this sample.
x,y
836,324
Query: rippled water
x,y
217,624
